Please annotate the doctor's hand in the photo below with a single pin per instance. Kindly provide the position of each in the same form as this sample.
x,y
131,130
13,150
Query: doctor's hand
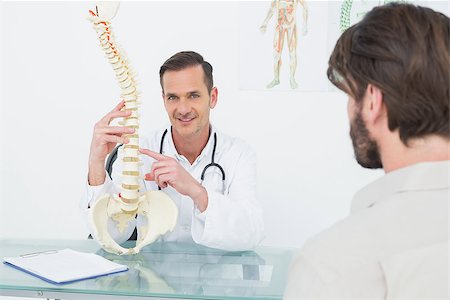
x,y
167,171
104,139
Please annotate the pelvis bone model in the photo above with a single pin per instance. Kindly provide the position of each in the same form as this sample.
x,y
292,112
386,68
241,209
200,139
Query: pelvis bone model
x,y
159,210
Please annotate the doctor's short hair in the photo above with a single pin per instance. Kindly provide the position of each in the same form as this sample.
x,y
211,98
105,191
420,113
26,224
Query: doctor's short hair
x,y
404,51
186,59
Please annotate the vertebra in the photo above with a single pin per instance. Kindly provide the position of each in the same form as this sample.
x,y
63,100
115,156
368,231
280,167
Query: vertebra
x,y
156,206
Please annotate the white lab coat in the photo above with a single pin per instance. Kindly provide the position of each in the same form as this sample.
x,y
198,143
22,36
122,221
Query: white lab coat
x,y
233,219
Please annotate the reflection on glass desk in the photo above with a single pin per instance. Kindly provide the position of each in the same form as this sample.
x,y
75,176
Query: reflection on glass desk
x,y
161,270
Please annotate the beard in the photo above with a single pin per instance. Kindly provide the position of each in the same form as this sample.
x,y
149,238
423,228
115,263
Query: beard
x,y
366,149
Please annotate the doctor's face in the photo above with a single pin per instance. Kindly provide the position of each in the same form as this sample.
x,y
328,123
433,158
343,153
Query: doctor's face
x,y
187,101
365,148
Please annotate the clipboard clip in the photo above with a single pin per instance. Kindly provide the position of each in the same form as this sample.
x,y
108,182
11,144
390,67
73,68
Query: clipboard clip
x,y
38,253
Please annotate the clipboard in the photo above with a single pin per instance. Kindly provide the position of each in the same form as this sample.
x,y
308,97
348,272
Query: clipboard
x,y
64,266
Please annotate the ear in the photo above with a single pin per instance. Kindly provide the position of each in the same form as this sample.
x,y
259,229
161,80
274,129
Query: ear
x,y
213,97
374,106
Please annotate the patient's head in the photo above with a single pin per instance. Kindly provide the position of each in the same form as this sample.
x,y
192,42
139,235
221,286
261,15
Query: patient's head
x,y
402,50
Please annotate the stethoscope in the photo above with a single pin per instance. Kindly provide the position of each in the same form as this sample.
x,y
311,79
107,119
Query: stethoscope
x,y
112,157
211,164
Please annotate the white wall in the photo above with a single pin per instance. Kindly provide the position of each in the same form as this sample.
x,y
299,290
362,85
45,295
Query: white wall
x,y
56,85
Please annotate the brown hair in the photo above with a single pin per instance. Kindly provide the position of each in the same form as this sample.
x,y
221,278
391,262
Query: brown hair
x,y
185,59
404,51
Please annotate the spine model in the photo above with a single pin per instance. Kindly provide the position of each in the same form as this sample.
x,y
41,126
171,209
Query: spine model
x,y
125,78
159,210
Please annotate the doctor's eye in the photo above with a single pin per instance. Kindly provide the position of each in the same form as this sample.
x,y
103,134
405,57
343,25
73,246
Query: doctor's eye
x,y
171,97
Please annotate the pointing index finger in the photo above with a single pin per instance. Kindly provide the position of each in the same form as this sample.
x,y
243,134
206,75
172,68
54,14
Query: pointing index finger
x,y
152,154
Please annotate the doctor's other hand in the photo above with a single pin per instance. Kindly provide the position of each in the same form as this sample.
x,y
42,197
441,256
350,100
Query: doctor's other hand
x,y
104,139
167,171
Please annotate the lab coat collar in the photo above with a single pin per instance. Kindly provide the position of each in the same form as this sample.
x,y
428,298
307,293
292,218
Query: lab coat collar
x,y
418,177
170,150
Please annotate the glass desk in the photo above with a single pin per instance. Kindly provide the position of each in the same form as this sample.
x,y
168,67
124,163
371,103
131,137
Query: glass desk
x,y
161,271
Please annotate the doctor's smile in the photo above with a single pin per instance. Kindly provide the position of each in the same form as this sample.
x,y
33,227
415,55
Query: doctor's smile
x,y
186,119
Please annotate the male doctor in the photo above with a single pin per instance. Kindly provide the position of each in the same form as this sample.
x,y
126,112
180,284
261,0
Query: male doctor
x,y
220,211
